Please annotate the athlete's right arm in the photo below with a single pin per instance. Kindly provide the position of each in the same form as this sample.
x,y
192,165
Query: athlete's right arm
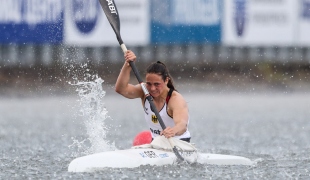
x,y
122,85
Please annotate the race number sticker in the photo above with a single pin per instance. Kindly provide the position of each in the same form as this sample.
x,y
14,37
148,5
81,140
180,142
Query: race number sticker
x,y
148,154
152,154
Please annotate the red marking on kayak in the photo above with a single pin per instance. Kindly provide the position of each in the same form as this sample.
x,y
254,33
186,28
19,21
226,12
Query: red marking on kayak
x,y
143,137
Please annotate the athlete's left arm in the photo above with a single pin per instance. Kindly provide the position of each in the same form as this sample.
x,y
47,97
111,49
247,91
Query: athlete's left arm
x,y
178,107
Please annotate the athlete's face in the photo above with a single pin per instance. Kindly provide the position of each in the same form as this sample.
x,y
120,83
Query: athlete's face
x,y
155,84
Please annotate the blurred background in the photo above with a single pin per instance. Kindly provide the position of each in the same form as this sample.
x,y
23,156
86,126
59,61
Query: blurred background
x,y
226,43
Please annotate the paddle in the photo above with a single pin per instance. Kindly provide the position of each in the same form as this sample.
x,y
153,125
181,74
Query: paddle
x,y
111,12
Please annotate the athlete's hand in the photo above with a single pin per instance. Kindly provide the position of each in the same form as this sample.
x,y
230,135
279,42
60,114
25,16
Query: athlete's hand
x,y
168,132
130,56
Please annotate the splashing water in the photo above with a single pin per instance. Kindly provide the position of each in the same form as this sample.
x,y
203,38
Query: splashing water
x,y
94,114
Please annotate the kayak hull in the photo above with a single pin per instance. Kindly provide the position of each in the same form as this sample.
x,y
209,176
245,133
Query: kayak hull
x,y
131,158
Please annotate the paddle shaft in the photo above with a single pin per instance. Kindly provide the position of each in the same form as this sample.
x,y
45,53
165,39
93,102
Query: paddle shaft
x,y
110,10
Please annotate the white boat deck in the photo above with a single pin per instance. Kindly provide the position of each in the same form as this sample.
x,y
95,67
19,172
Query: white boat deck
x,y
132,158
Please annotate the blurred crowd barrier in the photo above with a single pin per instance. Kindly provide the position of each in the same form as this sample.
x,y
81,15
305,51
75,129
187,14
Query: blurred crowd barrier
x,y
16,55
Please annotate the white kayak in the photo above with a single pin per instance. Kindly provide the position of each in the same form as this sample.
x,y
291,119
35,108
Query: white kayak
x,y
131,158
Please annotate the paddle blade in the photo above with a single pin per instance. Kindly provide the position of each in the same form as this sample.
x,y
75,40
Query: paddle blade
x,y
110,10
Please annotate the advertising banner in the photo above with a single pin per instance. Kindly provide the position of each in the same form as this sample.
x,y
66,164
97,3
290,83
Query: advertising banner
x,y
31,21
87,25
260,22
304,23
184,21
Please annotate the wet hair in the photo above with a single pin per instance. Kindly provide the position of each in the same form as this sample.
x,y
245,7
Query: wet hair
x,y
161,69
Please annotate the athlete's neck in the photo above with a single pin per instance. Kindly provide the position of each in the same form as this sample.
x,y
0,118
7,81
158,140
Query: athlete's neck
x,y
162,97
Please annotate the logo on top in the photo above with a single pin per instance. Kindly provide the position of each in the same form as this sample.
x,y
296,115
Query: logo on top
x,y
111,6
240,16
85,14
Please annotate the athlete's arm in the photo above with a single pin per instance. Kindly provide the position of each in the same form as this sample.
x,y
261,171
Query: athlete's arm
x,y
179,109
122,85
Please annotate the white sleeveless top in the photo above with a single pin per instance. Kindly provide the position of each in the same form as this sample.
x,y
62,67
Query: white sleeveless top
x,y
153,122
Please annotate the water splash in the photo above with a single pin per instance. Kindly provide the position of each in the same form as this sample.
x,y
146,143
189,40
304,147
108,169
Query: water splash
x,y
94,114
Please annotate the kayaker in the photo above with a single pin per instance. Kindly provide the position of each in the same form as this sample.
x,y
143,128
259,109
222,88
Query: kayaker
x,y
170,104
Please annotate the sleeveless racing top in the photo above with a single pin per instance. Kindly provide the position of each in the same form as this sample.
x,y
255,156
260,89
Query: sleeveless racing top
x,y
153,122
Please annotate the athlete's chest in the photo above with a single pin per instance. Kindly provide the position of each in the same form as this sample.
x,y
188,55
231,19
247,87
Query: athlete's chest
x,y
159,106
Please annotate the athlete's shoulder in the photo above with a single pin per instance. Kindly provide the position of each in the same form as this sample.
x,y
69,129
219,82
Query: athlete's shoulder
x,y
177,97
176,94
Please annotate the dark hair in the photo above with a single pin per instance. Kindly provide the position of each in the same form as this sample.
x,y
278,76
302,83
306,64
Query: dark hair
x,y
161,69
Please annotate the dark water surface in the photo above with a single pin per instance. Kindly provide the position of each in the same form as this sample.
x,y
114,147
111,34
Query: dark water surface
x,y
40,136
